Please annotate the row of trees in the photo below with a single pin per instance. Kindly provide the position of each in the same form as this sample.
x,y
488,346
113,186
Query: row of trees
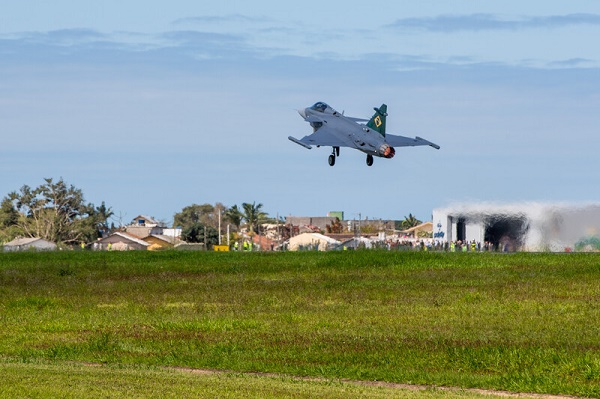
x,y
54,211
202,223
57,212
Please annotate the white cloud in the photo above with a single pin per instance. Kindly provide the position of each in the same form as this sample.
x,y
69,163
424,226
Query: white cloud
x,y
490,22
220,19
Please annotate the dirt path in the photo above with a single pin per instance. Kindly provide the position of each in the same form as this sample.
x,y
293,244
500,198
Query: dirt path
x,y
412,387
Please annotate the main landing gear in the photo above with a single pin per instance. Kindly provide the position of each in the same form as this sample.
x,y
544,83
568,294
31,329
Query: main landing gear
x,y
335,152
369,159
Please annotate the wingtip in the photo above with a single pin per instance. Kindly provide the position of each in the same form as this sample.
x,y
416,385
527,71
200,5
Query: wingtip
x,y
295,140
437,147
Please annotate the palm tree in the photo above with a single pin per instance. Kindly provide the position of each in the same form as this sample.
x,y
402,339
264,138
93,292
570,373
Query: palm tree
x,y
235,216
253,214
410,221
104,213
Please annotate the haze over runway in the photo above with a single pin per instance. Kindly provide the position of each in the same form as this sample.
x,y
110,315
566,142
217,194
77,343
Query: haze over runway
x,y
153,106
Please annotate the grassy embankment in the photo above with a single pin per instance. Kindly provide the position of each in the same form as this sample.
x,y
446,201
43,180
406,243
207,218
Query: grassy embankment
x,y
518,322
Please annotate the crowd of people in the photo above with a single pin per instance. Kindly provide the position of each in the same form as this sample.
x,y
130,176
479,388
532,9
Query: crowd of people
x,y
451,246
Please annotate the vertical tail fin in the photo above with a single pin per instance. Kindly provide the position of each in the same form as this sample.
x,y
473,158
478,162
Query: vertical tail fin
x,y
377,122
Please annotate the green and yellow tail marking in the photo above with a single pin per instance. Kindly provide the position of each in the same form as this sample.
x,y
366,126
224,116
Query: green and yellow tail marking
x,y
377,122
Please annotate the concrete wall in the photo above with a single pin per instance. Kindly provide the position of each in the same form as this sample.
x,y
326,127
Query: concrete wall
x,y
319,221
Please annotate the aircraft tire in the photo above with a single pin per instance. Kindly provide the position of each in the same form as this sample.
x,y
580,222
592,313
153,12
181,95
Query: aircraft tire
x,y
331,160
369,160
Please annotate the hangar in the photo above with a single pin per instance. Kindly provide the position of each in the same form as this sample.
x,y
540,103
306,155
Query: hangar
x,y
526,226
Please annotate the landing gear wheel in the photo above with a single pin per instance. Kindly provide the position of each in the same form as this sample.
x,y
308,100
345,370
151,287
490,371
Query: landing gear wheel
x,y
331,160
369,160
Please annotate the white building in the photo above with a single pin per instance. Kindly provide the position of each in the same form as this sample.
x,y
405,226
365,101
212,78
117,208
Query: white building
x,y
527,226
312,241
30,243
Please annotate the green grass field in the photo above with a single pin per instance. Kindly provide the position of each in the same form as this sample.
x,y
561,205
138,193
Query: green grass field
x,y
516,322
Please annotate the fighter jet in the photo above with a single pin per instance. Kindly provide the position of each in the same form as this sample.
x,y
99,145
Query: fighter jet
x,y
331,128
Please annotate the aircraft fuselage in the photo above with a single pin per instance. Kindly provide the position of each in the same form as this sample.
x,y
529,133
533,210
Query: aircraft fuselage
x,y
331,128
354,134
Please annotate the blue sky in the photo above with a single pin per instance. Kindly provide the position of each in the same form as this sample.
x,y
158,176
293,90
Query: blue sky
x,y
153,106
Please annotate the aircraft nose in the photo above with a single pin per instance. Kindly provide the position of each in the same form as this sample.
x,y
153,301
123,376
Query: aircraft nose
x,y
302,112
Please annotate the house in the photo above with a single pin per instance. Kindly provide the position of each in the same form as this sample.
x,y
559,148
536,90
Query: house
x,y
30,243
120,241
421,230
143,226
263,243
143,220
158,241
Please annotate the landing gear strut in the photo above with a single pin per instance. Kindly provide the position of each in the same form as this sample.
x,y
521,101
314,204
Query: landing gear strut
x,y
334,152
369,160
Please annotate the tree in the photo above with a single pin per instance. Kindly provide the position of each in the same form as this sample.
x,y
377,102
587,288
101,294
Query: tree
x,y
253,215
410,221
103,213
335,227
196,233
205,214
9,218
192,214
235,216
55,212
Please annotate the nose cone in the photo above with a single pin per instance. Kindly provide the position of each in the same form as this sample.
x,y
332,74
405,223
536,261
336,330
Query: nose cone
x,y
302,112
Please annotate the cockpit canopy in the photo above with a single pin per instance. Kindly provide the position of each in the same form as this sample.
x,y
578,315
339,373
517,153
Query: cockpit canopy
x,y
320,107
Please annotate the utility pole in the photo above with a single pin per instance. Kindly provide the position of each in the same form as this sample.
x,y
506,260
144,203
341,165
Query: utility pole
x,y
219,212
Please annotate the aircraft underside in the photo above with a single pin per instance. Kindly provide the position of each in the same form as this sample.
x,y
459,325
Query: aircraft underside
x,y
335,152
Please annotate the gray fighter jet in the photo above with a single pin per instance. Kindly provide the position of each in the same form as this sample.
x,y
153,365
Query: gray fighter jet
x,y
331,128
